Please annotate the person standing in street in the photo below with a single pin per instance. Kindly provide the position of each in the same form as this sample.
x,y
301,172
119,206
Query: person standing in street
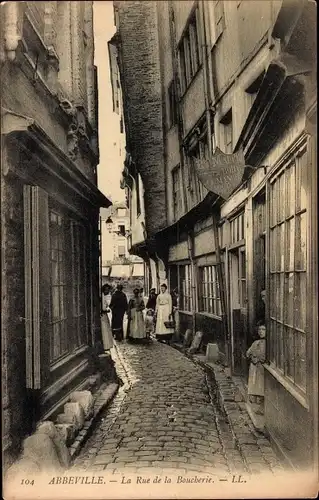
x,y
164,318
135,324
151,303
118,306
149,323
105,322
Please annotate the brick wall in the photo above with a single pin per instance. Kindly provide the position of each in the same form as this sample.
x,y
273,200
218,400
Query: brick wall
x,y
141,83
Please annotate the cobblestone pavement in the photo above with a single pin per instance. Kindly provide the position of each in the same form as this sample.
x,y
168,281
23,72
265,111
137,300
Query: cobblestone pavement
x,y
164,417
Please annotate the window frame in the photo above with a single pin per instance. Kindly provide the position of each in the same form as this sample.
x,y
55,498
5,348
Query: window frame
x,y
285,274
209,297
189,51
185,287
60,342
197,151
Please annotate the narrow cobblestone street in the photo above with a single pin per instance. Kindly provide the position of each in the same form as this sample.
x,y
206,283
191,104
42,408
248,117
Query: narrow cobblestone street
x,y
164,417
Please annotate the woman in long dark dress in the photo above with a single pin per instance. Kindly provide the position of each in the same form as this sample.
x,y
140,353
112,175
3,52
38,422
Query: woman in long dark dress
x,y
118,306
151,303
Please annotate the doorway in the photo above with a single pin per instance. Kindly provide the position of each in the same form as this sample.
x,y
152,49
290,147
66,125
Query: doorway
x,y
259,252
238,307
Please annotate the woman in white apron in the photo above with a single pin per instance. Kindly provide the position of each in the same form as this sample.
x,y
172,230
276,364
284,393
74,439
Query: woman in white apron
x,y
135,325
164,320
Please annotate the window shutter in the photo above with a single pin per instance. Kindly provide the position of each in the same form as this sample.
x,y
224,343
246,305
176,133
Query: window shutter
x,y
37,279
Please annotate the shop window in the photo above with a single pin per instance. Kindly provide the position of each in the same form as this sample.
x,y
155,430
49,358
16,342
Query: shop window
x,y
59,269
185,287
68,292
209,291
288,270
79,273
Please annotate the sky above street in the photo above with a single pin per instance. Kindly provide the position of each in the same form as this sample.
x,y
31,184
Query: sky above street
x,y
111,164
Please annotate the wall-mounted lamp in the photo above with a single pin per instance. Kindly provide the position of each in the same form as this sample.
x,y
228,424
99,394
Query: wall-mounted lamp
x,y
109,224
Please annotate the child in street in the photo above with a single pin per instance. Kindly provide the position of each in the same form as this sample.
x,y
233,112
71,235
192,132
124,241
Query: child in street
x,y
149,323
257,356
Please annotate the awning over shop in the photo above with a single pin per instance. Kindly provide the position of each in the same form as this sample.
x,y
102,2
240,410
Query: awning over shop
x,y
120,271
106,270
138,270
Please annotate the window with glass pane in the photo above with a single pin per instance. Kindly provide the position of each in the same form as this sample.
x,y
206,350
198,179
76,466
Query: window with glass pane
x,y
58,260
242,279
237,228
185,286
189,52
79,283
209,298
288,270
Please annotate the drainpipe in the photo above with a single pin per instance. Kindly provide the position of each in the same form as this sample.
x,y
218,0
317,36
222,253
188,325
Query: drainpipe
x,y
190,246
207,91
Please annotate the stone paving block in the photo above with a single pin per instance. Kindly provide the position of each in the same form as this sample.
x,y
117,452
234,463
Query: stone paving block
x,y
165,414
103,459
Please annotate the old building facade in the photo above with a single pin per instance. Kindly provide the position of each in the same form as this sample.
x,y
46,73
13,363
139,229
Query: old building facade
x,y
118,265
237,76
50,209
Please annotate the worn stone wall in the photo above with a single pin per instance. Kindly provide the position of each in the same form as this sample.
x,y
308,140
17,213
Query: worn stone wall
x,y
141,84
15,414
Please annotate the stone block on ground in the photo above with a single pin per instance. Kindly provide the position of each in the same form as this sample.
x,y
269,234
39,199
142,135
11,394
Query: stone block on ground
x,y
196,343
68,419
48,428
67,432
39,450
86,400
188,338
78,412
212,353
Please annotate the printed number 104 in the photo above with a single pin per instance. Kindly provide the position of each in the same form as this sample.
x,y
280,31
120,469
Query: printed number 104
x,y
27,481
